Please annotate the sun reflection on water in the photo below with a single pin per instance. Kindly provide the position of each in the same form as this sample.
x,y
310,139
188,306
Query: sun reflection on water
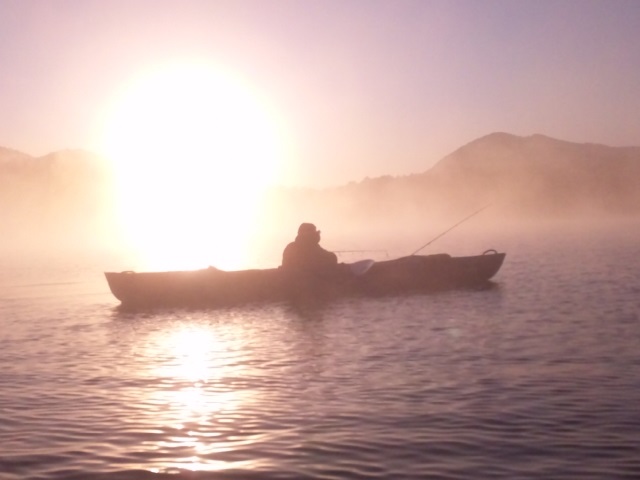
x,y
196,404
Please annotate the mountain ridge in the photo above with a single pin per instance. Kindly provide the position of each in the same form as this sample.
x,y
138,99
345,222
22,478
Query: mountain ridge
x,y
523,177
71,193
503,142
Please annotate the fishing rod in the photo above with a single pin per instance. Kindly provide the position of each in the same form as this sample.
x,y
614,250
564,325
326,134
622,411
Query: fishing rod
x,y
451,228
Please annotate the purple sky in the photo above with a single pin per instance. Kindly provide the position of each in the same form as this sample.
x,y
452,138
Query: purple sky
x,y
367,87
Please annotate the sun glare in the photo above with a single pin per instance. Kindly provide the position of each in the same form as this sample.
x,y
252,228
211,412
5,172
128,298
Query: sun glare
x,y
193,149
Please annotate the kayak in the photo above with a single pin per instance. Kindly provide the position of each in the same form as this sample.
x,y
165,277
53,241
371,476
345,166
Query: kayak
x,y
211,287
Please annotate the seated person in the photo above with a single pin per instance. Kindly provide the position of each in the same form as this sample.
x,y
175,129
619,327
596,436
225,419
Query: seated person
x,y
305,253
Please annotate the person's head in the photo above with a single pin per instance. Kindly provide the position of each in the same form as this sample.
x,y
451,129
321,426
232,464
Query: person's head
x,y
307,232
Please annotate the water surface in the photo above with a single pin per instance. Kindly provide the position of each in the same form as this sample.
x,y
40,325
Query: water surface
x,y
536,377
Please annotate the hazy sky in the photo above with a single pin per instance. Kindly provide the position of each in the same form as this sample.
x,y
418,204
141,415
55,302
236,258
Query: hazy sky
x,y
365,87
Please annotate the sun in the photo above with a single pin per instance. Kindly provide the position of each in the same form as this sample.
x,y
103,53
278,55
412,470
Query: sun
x,y
194,148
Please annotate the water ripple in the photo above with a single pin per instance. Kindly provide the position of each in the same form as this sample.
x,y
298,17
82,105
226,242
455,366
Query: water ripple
x,y
534,378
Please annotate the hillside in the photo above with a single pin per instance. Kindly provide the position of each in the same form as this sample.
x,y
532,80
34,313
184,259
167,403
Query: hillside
x,y
62,198
523,177
538,175
67,197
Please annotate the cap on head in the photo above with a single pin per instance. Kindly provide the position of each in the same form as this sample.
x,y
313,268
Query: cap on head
x,y
306,229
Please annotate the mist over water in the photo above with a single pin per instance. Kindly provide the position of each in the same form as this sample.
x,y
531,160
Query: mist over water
x,y
71,204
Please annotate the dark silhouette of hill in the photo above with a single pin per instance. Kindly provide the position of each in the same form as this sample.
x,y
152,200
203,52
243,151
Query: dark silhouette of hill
x,y
539,175
68,197
59,199
521,177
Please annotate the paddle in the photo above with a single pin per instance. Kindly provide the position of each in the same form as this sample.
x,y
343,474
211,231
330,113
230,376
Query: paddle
x,y
361,267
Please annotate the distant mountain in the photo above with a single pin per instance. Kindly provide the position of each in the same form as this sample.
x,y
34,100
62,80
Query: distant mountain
x,y
9,156
60,198
540,175
523,177
67,196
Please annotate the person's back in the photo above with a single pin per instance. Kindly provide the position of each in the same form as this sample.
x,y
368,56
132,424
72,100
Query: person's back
x,y
305,253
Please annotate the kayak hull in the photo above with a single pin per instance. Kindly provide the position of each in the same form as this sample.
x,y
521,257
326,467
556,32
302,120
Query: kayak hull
x,y
215,288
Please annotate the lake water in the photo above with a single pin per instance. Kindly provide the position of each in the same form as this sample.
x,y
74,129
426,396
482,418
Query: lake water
x,y
536,377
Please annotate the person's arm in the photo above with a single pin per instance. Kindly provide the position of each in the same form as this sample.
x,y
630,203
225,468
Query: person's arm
x,y
287,255
329,257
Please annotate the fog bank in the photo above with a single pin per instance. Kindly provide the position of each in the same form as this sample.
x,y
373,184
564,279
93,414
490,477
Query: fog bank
x,y
64,203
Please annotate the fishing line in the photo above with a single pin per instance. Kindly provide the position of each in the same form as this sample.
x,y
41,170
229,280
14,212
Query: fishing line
x,y
451,228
